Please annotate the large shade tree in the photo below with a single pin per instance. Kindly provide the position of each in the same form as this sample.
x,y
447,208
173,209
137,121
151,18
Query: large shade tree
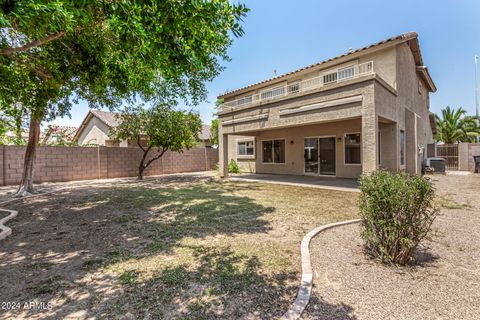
x,y
455,126
53,53
158,130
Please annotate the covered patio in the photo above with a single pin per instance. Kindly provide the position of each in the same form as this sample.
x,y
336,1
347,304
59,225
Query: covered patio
x,y
330,183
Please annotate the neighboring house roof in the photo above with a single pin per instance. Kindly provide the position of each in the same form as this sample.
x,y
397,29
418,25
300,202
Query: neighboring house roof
x,y
67,132
410,37
112,120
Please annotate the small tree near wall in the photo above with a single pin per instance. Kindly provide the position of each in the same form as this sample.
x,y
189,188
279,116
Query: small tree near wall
x,y
158,129
397,212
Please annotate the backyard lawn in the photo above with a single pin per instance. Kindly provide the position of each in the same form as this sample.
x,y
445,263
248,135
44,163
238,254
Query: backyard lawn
x,y
176,247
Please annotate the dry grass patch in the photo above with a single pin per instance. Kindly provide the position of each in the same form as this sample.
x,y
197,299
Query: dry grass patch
x,y
183,248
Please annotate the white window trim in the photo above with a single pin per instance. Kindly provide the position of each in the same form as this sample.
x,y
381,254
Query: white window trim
x,y
274,163
344,154
246,156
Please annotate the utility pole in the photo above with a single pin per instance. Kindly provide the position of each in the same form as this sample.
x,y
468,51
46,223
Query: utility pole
x,y
476,93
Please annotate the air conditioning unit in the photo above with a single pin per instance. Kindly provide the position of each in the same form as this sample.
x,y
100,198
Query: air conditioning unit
x,y
437,165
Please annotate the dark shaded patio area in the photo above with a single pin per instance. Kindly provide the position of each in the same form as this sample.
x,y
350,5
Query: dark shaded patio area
x,y
330,183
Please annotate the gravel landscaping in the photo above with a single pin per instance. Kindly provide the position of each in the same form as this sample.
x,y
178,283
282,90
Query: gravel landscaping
x,y
444,283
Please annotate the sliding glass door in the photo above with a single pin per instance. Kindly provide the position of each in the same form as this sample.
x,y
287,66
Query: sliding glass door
x,y
319,155
310,153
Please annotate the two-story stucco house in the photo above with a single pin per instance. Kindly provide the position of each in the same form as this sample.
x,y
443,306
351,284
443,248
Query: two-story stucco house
x,y
352,114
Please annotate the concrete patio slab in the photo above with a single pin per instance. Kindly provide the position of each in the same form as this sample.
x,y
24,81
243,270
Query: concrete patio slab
x,y
330,183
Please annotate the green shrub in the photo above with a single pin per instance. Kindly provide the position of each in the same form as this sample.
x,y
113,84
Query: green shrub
x,y
233,167
397,212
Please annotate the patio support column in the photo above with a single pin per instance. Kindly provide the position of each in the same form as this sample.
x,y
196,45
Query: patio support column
x,y
223,154
369,135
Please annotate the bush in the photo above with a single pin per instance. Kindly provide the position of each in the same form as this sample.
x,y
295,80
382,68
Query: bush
x,y
397,212
233,167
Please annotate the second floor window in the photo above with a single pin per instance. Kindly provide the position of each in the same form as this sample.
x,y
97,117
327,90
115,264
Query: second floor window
x,y
246,148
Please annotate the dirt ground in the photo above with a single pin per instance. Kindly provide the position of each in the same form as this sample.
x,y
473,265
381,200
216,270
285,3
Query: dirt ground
x,y
174,247
443,284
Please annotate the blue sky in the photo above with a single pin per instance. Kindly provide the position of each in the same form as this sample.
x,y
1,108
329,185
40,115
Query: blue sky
x,y
286,35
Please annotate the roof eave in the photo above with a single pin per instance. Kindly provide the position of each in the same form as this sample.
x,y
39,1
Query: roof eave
x,y
410,37
83,125
423,71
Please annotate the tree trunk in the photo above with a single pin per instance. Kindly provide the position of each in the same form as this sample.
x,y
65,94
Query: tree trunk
x,y
142,166
26,185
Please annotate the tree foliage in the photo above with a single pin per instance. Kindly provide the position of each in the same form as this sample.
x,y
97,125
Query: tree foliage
x,y
158,129
455,126
53,53
214,132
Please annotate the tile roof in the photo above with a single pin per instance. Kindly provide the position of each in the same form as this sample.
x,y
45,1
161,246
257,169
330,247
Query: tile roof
x,y
68,132
111,119
405,36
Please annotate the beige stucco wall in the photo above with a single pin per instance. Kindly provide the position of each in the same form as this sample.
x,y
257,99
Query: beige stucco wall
x,y
391,101
245,163
408,108
294,147
95,132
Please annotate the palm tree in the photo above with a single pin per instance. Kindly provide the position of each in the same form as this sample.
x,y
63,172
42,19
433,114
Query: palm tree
x,y
470,129
455,126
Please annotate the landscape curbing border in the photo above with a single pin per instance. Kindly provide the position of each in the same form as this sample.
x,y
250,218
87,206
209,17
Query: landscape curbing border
x,y
4,230
305,290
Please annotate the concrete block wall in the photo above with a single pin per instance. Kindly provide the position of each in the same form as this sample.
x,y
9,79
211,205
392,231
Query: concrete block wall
x,y
466,152
54,164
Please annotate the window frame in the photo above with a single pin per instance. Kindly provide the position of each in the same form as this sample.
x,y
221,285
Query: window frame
x,y
400,144
245,156
345,154
273,150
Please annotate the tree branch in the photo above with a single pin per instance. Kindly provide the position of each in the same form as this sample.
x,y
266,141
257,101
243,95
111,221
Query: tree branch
x,y
42,73
155,158
30,45
140,145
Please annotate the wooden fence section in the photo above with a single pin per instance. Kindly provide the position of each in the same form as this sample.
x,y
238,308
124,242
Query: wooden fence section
x,y
449,152
55,164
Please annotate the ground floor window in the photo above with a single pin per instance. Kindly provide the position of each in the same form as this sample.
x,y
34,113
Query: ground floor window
x,y
402,147
246,148
352,148
273,151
